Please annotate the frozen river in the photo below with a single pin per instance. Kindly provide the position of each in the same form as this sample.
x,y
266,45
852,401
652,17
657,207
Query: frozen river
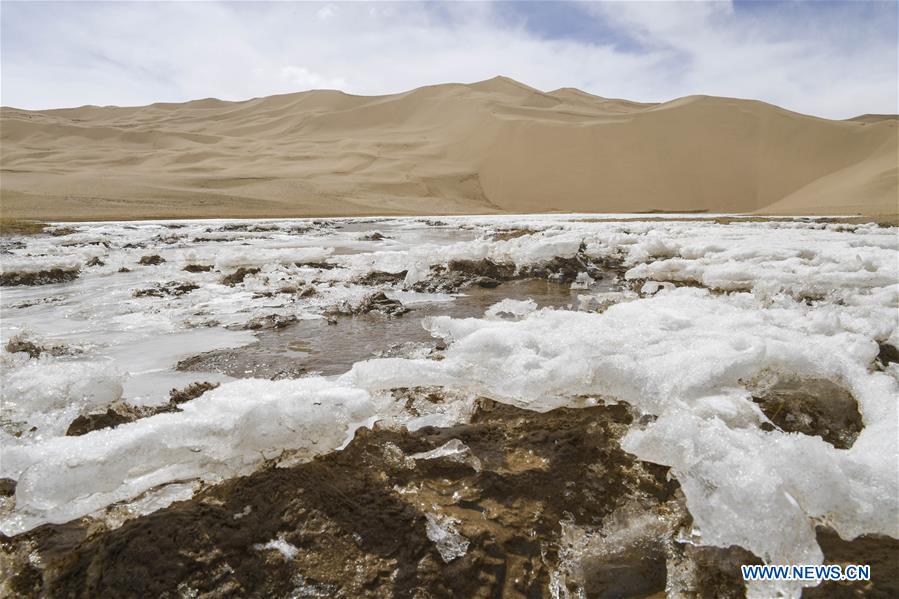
x,y
309,326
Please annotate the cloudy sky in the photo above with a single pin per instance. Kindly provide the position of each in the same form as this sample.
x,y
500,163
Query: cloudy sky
x,y
827,58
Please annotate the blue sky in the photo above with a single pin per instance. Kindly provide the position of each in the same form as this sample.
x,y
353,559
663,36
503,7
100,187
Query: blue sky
x,y
831,59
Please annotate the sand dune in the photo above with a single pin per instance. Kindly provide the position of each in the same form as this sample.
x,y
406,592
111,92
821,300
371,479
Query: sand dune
x,y
493,146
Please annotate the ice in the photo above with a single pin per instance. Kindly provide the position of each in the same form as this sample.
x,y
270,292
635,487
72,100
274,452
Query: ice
x,y
281,546
441,530
46,394
693,313
624,553
598,302
684,356
149,502
234,258
38,263
454,450
583,281
511,307
520,252
224,433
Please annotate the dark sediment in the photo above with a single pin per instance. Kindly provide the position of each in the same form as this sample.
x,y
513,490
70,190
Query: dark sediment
x,y
198,268
238,276
879,552
40,277
192,391
376,302
170,289
92,422
378,277
20,343
270,321
523,491
7,487
813,407
460,274
151,260
888,354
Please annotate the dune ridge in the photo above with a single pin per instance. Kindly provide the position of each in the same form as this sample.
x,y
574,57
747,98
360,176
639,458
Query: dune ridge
x,y
489,147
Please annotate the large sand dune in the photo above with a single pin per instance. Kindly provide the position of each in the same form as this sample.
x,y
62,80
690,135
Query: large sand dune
x,y
493,146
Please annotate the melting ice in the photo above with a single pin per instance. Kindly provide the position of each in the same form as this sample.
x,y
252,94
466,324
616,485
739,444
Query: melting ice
x,y
687,316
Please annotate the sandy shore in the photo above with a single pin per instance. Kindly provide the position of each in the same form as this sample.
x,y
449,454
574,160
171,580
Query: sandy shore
x,y
497,146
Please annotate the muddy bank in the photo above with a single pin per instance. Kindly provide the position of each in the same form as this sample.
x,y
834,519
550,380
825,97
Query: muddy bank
x,y
513,504
387,517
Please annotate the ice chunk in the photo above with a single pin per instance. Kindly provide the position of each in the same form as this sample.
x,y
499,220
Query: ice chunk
x,y
454,450
599,302
47,394
583,281
223,433
511,307
441,530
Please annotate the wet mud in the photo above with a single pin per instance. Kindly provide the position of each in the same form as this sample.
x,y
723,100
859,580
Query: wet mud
x,y
362,522
512,504
816,407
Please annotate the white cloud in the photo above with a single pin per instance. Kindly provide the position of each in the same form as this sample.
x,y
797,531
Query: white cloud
x,y
303,78
135,53
326,12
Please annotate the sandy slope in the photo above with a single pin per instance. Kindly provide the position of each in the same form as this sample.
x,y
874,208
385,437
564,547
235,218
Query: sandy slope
x,y
493,146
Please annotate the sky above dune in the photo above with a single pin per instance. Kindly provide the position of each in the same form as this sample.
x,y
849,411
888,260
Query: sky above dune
x,y
830,59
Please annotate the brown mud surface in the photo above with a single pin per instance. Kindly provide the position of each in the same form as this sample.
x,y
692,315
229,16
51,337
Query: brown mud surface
x,y
151,260
40,277
816,407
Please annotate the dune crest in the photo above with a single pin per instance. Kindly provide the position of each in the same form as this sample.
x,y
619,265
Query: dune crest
x,y
492,146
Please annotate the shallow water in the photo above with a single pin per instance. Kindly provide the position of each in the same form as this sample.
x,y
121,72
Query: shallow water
x,y
332,346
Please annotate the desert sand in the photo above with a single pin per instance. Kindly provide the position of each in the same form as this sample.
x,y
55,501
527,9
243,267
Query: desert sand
x,y
497,146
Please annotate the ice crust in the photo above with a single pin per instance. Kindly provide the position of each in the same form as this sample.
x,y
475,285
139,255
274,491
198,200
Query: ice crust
x,y
704,309
46,394
224,433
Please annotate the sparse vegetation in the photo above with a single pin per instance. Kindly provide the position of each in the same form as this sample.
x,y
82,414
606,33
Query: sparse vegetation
x,y
17,226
